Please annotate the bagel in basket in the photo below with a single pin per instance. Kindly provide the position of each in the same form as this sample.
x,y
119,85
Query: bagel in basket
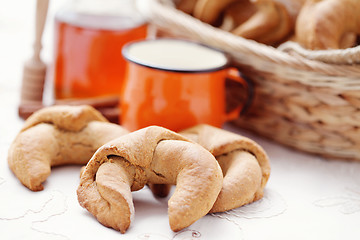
x,y
56,136
209,10
265,21
328,24
270,24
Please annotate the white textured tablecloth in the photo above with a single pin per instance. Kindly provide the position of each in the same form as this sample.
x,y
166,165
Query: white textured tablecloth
x,y
307,197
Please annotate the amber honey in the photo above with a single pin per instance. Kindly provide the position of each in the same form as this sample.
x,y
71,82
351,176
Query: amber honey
x,y
88,61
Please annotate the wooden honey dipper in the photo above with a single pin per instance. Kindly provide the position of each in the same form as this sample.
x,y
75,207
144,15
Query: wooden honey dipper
x,y
34,71
34,74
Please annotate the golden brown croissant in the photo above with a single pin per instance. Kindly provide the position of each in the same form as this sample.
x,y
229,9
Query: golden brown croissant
x,y
55,136
150,155
328,24
244,163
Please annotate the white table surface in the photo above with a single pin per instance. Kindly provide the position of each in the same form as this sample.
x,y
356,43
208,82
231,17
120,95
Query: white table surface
x,y
307,197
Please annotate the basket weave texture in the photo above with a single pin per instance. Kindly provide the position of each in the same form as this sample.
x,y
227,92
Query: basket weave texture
x,y
309,100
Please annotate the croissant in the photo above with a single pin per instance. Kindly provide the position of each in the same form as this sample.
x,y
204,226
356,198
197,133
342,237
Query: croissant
x,y
150,155
244,163
55,136
328,24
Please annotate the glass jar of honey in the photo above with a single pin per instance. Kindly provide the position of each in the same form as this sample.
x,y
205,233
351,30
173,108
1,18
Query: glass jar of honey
x,y
89,36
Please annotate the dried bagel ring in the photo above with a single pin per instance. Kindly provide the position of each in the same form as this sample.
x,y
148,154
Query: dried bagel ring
x,y
58,135
328,24
186,6
150,155
209,10
244,163
270,24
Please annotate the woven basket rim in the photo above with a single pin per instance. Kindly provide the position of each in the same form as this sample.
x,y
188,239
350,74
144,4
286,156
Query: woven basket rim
x,y
170,19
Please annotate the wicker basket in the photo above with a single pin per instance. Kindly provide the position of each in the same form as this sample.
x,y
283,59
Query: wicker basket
x,y
309,100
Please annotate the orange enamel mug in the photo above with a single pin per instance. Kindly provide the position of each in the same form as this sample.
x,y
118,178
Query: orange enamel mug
x,y
175,84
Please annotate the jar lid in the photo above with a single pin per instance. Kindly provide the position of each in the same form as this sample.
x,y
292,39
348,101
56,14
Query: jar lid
x,y
101,14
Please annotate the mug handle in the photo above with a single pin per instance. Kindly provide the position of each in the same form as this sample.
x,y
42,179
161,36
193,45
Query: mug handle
x,y
249,87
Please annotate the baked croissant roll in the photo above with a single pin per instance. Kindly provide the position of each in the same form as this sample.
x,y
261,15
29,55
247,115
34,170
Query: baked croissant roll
x,y
58,135
244,163
150,155
328,24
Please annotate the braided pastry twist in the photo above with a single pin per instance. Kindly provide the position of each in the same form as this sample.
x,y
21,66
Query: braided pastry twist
x,y
150,155
58,135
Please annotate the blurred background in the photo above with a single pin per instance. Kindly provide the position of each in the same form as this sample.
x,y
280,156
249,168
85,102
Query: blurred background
x,y
17,22
17,37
